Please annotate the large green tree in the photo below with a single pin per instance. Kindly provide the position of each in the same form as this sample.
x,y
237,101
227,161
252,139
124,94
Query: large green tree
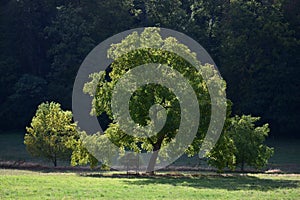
x,y
148,95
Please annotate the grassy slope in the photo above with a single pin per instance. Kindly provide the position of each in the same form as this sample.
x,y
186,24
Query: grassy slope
x,y
16,184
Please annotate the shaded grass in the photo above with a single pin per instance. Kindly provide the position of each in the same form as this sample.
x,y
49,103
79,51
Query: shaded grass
x,y
286,156
15,184
285,151
12,148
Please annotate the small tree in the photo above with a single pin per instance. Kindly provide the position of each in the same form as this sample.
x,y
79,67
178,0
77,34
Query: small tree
x,y
50,132
241,144
248,140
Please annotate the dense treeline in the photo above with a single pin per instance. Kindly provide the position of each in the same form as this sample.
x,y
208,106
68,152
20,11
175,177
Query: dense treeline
x,y
255,44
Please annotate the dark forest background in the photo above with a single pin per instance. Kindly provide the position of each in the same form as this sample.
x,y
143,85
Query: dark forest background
x,y
255,44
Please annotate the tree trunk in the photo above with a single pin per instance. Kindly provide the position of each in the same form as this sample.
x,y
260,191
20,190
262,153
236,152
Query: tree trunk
x,y
152,162
54,161
243,166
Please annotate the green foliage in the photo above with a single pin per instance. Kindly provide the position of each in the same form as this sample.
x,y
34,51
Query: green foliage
x,y
50,132
67,50
98,147
223,154
258,48
29,91
205,24
151,94
248,140
162,13
241,145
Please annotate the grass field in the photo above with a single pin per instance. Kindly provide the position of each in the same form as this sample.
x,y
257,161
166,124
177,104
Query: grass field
x,y
16,184
21,184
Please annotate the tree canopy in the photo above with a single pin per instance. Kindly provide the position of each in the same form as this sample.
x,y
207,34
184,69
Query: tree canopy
x,y
151,94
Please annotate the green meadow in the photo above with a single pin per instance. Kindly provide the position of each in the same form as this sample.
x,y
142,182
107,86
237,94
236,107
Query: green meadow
x,y
17,184
51,184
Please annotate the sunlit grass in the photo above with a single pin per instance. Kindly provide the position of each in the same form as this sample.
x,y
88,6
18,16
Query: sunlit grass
x,y
16,184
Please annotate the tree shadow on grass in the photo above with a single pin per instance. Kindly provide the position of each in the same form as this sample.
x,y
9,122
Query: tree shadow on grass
x,y
236,182
228,183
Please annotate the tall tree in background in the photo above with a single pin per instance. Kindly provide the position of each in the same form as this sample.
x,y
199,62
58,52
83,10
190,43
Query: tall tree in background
x,y
23,59
168,14
205,24
255,59
27,20
69,34
29,92
109,17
